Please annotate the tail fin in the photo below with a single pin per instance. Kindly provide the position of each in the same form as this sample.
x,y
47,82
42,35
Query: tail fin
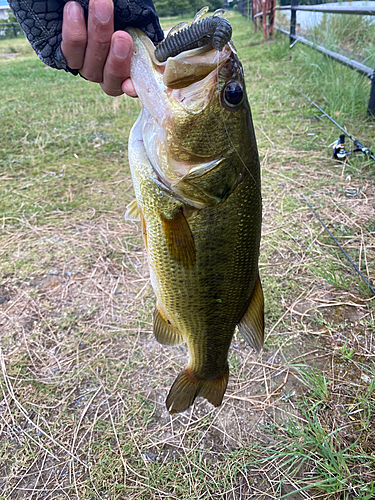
x,y
188,386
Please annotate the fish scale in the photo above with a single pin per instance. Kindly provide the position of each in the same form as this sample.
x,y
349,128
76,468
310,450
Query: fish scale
x,y
196,177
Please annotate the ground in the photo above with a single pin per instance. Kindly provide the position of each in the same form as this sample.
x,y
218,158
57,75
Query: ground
x,y
84,382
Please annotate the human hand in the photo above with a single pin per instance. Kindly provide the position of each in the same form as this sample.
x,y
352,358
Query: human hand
x,y
96,51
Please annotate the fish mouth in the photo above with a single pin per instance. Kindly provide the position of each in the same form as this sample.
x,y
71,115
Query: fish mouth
x,y
193,66
186,81
182,70
181,87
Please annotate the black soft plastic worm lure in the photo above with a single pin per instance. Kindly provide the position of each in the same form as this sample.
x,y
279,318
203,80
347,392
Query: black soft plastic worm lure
x,y
213,30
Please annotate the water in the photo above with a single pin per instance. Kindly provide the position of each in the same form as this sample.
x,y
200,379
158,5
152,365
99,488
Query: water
x,y
307,20
3,10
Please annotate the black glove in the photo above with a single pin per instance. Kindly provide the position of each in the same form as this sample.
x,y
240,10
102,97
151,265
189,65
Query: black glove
x,y
41,20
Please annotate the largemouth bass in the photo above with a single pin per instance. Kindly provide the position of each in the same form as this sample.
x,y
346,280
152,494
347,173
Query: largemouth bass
x,y
196,176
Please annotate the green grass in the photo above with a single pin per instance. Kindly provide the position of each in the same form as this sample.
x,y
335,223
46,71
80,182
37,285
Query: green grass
x,y
19,46
350,33
325,80
83,381
317,455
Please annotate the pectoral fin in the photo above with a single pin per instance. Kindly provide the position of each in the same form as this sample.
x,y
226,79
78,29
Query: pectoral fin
x,y
251,325
187,387
164,331
132,211
180,241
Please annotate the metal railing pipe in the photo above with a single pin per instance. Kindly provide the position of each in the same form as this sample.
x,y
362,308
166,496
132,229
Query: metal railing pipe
x,y
361,68
362,10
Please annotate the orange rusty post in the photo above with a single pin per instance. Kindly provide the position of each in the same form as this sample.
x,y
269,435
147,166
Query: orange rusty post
x,y
262,9
264,17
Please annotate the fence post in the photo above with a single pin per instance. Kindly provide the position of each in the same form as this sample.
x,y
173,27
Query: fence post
x,y
249,9
371,104
293,20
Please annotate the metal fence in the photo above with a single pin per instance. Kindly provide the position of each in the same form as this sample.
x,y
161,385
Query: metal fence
x,y
246,9
10,30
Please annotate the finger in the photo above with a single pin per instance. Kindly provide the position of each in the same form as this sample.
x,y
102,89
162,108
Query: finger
x,y
74,35
99,33
117,66
128,88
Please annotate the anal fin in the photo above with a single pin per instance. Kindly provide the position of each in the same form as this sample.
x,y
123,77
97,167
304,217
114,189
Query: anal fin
x,y
251,325
188,386
165,333
180,241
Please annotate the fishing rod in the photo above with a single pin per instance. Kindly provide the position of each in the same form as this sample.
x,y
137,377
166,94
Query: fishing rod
x,y
338,244
339,150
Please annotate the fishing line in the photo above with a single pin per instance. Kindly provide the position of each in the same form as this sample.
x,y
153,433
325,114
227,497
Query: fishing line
x,y
230,140
340,149
338,244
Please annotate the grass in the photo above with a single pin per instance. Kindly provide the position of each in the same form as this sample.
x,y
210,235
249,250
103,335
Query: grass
x,y
317,452
347,34
83,381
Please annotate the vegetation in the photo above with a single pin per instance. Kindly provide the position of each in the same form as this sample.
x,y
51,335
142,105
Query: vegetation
x,y
183,7
9,27
83,381
349,35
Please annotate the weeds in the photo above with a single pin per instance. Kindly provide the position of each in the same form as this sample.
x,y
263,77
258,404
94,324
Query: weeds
x,y
350,33
317,455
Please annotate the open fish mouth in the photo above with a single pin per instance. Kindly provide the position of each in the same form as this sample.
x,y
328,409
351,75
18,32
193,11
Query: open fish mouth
x,y
183,86
188,53
177,72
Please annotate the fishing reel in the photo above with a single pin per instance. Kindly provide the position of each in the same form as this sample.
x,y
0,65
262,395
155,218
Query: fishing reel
x,y
340,152
339,149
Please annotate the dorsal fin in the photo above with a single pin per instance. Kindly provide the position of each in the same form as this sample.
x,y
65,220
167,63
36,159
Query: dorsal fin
x,y
144,230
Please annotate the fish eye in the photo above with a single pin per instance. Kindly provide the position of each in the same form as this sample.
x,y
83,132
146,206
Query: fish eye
x,y
233,93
